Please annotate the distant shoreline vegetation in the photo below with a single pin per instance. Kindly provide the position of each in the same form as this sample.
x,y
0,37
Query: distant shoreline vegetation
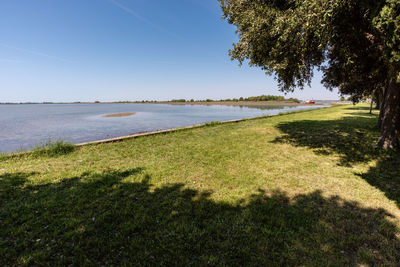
x,y
263,98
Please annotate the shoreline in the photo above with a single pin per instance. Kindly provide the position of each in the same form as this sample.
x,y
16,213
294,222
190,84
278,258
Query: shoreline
x,y
170,130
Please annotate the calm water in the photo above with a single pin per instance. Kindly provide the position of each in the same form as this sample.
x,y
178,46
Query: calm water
x,y
24,126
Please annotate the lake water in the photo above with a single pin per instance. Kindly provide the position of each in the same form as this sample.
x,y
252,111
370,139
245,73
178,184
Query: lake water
x,y
24,126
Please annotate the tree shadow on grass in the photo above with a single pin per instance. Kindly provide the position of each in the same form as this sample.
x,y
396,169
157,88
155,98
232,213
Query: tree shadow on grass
x,y
104,219
386,176
358,108
353,139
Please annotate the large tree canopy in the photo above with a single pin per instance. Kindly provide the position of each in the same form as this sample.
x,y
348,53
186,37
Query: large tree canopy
x,y
355,43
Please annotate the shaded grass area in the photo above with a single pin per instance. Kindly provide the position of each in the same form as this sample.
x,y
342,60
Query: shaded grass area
x,y
353,138
98,219
385,175
308,188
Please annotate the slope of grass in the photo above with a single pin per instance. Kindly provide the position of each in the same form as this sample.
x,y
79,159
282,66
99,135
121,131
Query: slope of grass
x,y
307,188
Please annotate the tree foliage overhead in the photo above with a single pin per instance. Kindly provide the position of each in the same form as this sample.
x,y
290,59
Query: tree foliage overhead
x,y
291,37
355,43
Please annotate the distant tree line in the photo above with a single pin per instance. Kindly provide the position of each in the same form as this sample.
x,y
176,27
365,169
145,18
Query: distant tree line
x,y
182,100
251,98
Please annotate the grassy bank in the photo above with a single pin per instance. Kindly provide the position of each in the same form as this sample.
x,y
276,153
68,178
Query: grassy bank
x,y
308,188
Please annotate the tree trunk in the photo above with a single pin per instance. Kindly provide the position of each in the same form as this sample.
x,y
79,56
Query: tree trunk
x,y
370,107
389,118
378,97
382,106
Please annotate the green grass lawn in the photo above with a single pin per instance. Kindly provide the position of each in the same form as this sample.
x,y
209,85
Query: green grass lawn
x,y
307,188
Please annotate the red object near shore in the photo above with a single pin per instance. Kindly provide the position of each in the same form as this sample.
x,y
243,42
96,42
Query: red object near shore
x,y
310,102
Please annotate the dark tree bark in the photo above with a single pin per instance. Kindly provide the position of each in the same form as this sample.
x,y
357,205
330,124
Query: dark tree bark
x,y
378,97
373,96
389,117
370,107
382,107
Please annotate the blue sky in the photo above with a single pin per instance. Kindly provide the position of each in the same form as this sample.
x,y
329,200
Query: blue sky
x,y
110,50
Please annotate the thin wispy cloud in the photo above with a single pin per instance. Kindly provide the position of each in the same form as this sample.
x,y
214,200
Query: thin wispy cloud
x,y
6,60
141,18
35,53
